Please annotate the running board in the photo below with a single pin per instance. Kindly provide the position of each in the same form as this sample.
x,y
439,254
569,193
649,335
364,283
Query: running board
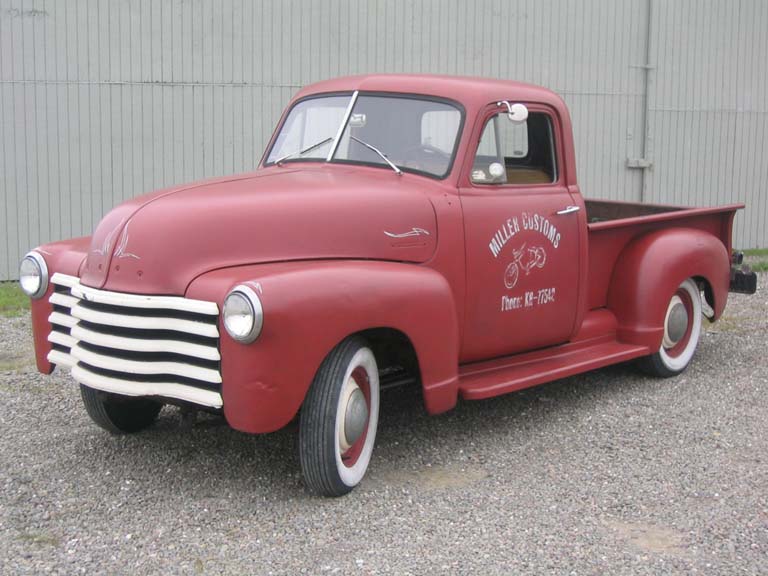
x,y
503,375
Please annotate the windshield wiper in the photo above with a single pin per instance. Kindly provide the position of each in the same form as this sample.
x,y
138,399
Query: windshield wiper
x,y
302,152
380,153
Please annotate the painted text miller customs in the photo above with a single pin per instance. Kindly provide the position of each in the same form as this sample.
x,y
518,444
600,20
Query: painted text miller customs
x,y
510,228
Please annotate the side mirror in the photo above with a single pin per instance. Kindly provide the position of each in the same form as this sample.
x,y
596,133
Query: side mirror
x,y
515,112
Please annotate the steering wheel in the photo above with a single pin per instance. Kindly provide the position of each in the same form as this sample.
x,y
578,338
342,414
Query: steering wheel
x,y
425,157
426,150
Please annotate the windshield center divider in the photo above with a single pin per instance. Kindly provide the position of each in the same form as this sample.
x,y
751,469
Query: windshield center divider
x,y
342,126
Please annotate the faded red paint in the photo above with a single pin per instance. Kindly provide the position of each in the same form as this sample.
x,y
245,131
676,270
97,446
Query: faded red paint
x,y
312,234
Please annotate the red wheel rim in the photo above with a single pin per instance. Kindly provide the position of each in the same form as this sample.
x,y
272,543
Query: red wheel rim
x,y
680,347
350,457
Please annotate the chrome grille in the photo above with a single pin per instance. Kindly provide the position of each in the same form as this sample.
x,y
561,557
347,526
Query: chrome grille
x,y
134,344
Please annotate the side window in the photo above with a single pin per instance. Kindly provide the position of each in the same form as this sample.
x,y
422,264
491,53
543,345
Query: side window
x,y
516,152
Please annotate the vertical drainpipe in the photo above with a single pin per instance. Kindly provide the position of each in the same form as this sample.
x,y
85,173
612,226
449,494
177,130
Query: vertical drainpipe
x,y
643,162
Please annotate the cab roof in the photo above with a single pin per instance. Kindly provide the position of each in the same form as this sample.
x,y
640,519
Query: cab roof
x,y
473,93
470,91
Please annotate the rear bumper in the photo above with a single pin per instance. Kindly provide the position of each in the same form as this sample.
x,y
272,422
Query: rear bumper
x,y
743,282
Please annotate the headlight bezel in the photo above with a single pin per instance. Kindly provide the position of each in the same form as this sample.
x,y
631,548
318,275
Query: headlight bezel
x,y
37,260
257,314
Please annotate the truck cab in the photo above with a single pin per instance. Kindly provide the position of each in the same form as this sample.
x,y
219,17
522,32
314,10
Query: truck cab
x,y
400,230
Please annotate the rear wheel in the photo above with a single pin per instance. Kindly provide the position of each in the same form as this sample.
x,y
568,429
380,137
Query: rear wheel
x,y
119,414
682,328
339,418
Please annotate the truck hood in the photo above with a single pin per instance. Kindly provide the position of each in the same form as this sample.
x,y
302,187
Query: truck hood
x,y
158,243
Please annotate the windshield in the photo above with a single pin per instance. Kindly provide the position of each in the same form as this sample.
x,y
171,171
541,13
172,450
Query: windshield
x,y
412,134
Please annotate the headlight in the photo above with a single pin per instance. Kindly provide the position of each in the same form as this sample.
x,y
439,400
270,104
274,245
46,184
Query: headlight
x,y
243,316
33,275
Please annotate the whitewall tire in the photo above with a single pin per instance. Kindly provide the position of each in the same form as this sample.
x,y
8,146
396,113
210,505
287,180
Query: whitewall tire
x,y
682,329
339,418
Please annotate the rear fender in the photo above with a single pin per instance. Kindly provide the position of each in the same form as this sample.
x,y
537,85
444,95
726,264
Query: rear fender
x,y
651,268
309,307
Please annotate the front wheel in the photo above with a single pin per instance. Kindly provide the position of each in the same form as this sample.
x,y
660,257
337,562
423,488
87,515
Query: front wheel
x,y
119,414
337,429
682,328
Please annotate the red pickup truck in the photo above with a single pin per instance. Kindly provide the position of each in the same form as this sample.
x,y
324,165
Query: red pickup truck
x,y
399,229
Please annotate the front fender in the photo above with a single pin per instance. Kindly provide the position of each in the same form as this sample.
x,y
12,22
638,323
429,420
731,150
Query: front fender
x,y
65,257
650,269
309,307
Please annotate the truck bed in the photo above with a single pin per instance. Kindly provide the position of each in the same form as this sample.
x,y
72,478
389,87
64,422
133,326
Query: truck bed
x,y
613,225
607,210
608,214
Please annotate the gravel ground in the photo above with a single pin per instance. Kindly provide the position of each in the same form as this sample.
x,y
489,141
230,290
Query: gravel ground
x,y
606,473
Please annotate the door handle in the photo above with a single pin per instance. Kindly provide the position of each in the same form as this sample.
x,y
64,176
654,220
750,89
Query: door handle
x,y
568,210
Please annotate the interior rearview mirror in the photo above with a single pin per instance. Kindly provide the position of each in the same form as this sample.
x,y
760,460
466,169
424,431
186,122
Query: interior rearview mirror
x,y
357,120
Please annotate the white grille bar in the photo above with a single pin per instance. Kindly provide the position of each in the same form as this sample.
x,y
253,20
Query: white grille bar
x,y
143,345
144,366
62,319
138,300
63,300
65,280
61,339
145,322
131,388
61,358
131,358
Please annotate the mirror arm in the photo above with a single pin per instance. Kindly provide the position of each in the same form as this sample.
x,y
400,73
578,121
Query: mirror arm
x,y
515,112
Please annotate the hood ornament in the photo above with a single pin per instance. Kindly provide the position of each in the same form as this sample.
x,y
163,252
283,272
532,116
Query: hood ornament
x,y
412,232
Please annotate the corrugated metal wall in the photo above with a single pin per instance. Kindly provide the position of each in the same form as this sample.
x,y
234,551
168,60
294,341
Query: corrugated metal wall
x,y
708,109
100,101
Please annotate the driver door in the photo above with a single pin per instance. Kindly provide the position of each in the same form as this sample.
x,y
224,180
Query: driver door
x,y
521,238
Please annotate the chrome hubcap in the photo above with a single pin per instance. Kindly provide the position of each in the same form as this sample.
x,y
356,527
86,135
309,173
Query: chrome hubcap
x,y
355,416
677,322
